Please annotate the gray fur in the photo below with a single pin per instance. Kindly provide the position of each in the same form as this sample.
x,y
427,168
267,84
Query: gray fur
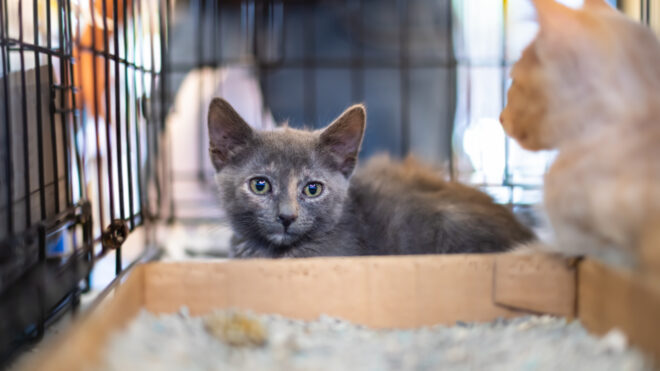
x,y
386,208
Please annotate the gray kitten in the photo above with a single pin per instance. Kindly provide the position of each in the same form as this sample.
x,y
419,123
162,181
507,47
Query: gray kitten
x,y
289,193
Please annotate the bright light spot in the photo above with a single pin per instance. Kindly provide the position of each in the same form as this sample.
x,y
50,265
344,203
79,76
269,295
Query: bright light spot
x,y
483,142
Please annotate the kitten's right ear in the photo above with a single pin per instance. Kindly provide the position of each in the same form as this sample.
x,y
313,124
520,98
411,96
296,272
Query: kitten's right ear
x,y
342,138
228,132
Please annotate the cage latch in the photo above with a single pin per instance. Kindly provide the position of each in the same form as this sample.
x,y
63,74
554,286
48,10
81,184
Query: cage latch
x,y
115,234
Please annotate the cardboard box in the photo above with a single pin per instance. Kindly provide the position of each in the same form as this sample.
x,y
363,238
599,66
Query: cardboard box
x,y
381,292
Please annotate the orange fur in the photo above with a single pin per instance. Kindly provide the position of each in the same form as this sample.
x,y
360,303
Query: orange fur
x,y
109,9
91,93
84,71
587,85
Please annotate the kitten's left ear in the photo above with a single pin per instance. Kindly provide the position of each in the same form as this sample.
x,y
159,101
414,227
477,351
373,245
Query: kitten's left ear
x,y
342,138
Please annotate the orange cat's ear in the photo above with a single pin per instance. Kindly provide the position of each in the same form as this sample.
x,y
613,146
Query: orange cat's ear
x,y
596,4
553,15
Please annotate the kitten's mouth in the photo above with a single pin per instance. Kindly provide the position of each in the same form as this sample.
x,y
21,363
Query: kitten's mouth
x,y
282,238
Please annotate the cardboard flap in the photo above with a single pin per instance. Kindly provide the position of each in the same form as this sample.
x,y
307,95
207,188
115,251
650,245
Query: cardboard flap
x,y
611,298
536,283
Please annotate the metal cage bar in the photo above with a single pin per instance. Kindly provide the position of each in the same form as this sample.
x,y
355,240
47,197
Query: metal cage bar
x,y
63,203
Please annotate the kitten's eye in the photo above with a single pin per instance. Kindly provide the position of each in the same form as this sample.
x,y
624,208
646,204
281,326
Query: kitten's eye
x,y
313,189
259,186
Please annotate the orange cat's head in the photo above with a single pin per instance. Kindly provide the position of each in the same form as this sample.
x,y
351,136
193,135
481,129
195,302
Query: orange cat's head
x,y
586,67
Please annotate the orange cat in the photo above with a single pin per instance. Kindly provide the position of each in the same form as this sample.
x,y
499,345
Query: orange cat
x,y
589,86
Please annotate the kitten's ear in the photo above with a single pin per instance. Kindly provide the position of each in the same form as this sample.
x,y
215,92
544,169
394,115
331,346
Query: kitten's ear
x,y
553,16
342,138
228,132
561,29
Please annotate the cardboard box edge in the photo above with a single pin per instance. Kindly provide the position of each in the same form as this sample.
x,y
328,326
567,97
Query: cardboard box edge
x,y
87,335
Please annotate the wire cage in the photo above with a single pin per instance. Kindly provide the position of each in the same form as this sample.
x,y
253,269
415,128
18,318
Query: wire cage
x,y
433,75
80,148
304,62
103,104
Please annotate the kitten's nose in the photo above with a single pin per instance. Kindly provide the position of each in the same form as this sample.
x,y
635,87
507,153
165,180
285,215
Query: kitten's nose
x,y
287,219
